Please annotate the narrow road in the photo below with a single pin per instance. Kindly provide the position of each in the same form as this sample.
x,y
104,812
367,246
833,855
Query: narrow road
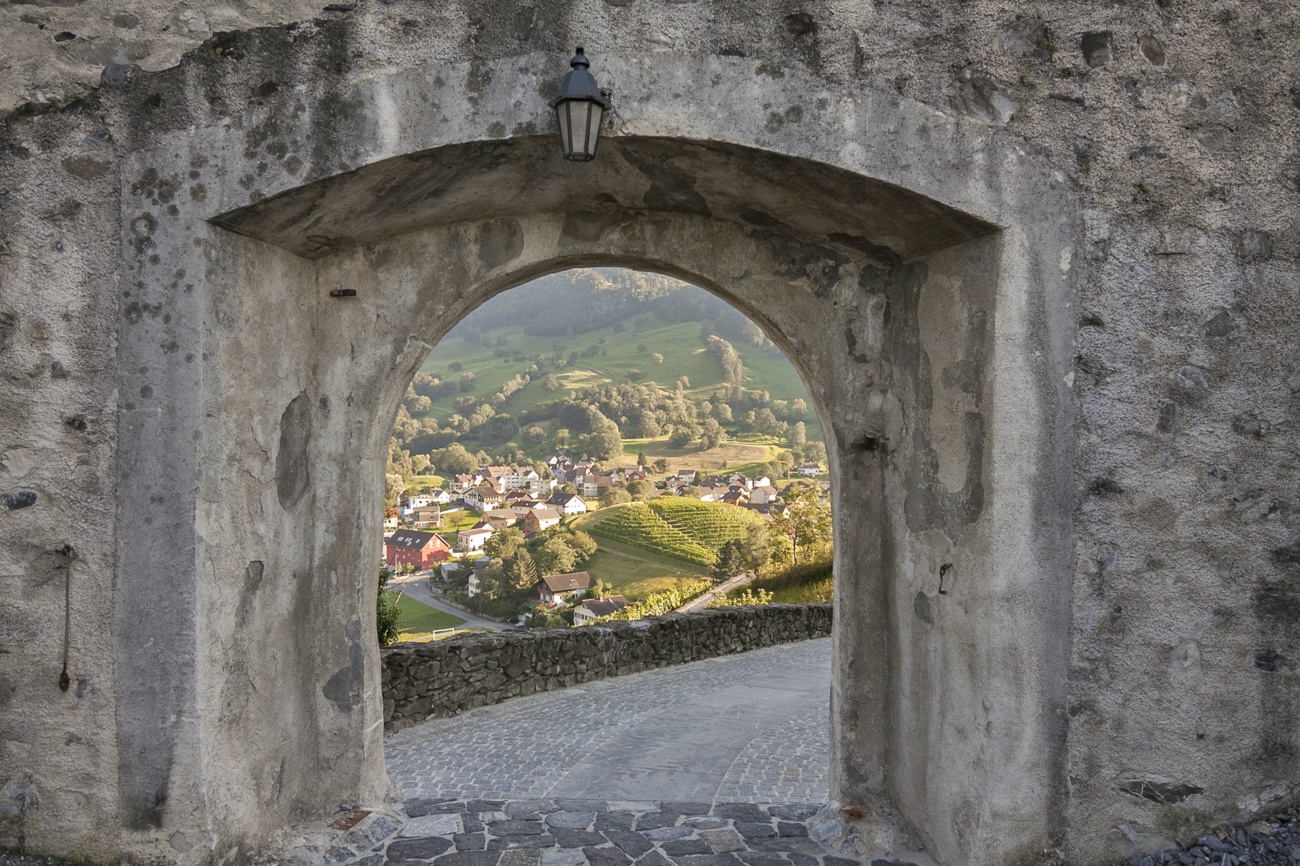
x,y
721,589
417,587
747,728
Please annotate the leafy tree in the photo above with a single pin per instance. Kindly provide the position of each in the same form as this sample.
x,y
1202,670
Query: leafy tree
x,y
456,366
683,435
604,442
555,556
657,358
815,451
616,496
638,488
800,408
660,465
467,381
582,544
521,572
756,547
503,543
545,619
805,518
492,583
550,383
388,619
798,436
713,434
731,560
394,487
455,459
640,459
534,435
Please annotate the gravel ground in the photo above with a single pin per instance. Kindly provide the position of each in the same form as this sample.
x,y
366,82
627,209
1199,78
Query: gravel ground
x,y
1274,842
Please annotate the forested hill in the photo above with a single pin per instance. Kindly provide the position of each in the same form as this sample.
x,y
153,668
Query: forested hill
x,y
577,301
610,364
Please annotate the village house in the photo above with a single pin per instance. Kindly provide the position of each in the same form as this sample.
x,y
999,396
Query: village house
x,y
520,478
568,503
741,479
595,486
557,589
592,609
809,469
540,520
735,495
483,497
405,509
429,515
542,486
415,548
471,540
439,496
461,484
499,518
762,494
521,507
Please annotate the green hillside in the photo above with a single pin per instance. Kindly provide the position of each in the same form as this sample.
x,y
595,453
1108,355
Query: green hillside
x,y
618,360
709,524
684,529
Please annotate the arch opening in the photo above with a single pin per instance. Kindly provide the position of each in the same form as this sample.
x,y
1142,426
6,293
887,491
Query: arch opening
x,y
627,329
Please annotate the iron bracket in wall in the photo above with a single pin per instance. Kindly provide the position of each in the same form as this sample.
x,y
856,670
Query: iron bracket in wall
x,y
872,442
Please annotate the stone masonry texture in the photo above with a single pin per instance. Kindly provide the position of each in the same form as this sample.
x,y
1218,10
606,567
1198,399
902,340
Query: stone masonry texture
x,y
447,677
1043,254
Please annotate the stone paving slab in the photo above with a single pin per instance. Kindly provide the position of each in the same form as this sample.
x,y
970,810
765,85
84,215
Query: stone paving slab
x,y
574,832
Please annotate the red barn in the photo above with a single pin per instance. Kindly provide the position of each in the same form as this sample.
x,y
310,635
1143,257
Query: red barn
x,y
412,547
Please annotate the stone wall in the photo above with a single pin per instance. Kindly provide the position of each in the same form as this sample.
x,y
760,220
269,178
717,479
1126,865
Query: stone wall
x,y
425,681
1095,440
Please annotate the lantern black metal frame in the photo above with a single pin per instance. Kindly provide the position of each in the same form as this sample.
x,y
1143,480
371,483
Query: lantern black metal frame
x,y
580,108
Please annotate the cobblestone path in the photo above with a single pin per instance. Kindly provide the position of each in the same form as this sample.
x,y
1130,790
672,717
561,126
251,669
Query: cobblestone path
x,y
749,728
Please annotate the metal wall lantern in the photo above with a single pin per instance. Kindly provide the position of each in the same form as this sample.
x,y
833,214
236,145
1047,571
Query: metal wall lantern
x,y
579,108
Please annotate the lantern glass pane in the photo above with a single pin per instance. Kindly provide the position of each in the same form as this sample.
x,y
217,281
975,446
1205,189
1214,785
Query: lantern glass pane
x,y
566,129
581,112
595,112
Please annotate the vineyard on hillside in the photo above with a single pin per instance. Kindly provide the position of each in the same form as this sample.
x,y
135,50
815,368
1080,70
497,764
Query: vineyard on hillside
x,y
710,524
685,529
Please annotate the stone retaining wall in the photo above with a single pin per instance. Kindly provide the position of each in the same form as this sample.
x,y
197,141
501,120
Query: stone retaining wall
x,y
424,681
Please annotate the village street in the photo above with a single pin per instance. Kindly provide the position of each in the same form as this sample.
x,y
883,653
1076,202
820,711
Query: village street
x,y
416,586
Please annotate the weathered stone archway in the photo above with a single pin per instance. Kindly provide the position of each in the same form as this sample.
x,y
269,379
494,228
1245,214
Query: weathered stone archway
x,y
924,296
910,319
